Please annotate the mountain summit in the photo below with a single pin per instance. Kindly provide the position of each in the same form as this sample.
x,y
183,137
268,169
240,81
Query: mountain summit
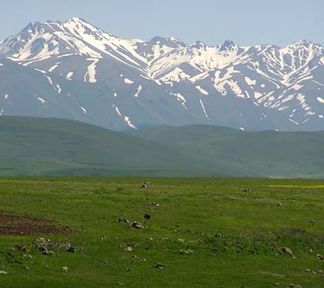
x,y
77,71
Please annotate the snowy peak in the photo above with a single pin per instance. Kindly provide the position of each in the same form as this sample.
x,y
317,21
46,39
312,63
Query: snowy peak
x,y
39,41
197,83
158,47
227,45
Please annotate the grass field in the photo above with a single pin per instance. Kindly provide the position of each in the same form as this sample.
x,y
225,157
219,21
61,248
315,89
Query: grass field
x,y
203,232
58,147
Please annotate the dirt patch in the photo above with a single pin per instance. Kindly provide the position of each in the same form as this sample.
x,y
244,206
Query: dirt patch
x,y
27,226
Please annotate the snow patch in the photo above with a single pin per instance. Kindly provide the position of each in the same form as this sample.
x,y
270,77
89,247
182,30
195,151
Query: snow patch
x,y
287,99
139,90
117,110
297,87
257,95
49,79
249,81
202,91
177,75
90,76
69,75
58,89
322,61
180,98
125,118
203,108
293,121
128,81
43,101
41,71
54,67
319,99
129,122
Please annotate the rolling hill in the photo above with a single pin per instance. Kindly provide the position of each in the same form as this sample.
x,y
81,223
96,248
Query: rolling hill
x,y
241,153
41,146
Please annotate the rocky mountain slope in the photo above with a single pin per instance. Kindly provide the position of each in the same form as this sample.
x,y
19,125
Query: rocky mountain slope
x,y
75,70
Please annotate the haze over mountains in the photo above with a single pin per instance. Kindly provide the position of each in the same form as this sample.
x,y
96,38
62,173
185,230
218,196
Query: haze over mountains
x,y
75,70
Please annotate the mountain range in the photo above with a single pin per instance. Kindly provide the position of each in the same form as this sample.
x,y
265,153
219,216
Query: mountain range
x,y
75,70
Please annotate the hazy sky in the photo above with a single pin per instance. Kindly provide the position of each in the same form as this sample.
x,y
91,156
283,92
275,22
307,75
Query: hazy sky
x,y
243,21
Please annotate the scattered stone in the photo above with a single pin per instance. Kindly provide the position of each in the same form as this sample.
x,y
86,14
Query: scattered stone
x,y
287,250
129,248
3,272
186,251
319,257
145,185
68,247
276,284
136,225
43,246
147,216
135,257
123,220
246,190
65,269
181,240
308,270
279,204
154,204
291,285
27,256
159,266
21,248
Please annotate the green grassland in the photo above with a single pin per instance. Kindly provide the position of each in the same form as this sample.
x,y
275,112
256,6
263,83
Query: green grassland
x,y
48,147
205,232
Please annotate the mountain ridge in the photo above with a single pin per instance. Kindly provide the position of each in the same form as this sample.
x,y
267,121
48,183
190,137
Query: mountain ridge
x,y
164,81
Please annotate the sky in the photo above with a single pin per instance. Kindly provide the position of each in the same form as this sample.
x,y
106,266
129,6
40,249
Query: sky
x,y
246,22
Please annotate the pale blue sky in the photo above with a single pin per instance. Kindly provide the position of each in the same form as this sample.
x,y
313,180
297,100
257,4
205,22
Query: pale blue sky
x,y
243,21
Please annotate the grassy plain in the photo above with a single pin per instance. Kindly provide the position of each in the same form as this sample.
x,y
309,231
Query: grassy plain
x,y
203,232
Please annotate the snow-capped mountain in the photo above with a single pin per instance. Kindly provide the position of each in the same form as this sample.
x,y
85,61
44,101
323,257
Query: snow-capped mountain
x,y
77,71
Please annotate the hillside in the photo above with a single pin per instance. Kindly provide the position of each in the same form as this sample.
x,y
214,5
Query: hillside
x,y
36,146
41,146
241,153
